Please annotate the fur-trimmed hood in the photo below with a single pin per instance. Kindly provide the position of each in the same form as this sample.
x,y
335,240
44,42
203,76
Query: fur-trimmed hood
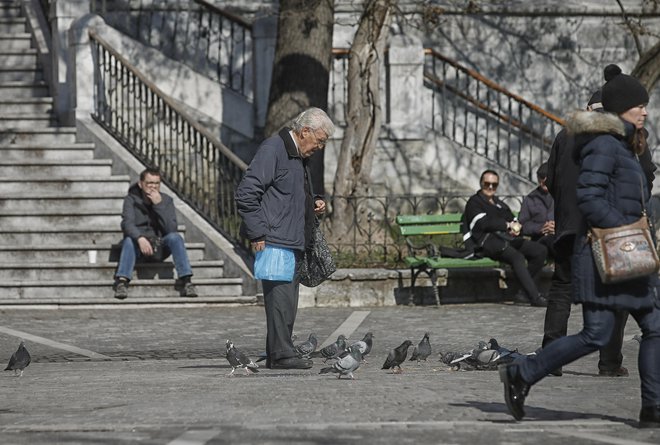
x,y
594,122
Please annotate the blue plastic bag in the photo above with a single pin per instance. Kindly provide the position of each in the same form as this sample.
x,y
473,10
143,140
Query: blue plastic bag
x,y
274,264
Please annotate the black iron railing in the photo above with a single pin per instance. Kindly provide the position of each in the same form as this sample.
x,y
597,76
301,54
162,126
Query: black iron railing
x,y
483,116
193,161
206,38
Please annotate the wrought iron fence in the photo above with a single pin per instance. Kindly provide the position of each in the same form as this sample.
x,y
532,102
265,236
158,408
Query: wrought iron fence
x,y
193,161
372,239
483,116
209,40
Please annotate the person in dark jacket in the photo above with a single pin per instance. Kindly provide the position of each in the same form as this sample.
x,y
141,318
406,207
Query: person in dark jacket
x,y
611,192
490,229
278,208
148,218
537,212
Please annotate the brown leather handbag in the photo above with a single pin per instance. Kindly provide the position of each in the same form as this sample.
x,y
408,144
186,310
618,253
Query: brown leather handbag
x,y
624,253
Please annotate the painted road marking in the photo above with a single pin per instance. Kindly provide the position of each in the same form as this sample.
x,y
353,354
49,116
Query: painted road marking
x,y
195,437
54,344
347,327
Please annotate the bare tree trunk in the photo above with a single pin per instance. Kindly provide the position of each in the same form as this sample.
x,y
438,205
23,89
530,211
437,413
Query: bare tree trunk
x,y
363,114
301,69
647,69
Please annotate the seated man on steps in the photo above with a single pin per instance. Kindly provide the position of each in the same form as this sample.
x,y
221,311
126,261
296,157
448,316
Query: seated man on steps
x,y
148,221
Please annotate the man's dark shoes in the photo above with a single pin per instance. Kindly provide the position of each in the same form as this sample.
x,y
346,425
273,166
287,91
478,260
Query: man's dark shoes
x,y
539,301
557,372
520,298
291,363
121,289
618,372
649,417
515,390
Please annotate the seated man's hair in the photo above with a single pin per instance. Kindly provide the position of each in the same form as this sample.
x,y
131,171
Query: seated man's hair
x,y
153,171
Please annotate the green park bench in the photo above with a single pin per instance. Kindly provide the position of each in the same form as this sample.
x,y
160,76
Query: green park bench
x,y
424,235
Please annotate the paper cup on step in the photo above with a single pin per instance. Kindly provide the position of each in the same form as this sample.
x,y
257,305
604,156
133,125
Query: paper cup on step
x,y
92,256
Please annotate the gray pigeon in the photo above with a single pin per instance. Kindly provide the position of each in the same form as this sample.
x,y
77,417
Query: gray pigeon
x,y
422,350
239,360
331,351
346,364
307,347
369,340
19,360
397,356
359,345
637,338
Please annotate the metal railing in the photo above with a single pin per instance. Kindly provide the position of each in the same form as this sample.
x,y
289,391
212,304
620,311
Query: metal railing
x,y
194,162
374,241
209,40
483,116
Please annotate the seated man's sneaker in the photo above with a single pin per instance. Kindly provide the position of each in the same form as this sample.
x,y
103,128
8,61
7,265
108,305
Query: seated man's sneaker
x,y
291,363
515,390
649,417
189,290
121,289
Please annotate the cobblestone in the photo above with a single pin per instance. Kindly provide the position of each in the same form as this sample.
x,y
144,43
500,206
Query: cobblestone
x,y
167,377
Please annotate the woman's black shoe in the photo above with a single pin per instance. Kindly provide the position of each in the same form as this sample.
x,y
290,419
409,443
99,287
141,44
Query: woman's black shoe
x,y
291,363
649,417
515,390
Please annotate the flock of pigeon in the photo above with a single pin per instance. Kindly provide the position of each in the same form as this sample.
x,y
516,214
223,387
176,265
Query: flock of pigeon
x,y
348,358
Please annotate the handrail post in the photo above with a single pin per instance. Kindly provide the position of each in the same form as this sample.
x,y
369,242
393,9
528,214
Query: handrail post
x,y
406,87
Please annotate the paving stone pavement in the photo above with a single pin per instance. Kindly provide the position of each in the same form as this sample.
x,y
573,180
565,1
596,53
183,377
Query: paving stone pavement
x,y
165,382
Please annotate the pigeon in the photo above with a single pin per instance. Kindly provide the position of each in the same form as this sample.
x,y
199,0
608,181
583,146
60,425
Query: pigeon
x,y
331,351
307,347
239,360
369,340
19,360
346,364
637,338
397,356
359,345
422,350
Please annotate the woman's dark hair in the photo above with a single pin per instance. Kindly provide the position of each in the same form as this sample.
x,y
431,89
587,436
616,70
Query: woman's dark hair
x,y
487,172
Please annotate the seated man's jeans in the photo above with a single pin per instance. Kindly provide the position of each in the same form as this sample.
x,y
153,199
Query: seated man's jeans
x,y
173,242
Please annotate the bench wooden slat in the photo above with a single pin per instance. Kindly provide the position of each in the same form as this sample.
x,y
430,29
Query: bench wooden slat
x,y
444,218
434,229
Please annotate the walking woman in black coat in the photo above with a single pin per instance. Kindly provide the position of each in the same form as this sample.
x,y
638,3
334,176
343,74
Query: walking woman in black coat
x,y
611,190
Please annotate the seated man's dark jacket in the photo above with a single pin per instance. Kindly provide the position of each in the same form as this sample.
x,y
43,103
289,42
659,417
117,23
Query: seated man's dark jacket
x,y
140,217
489,225
537,208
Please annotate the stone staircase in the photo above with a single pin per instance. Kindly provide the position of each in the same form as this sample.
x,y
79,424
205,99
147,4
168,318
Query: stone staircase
x,y
58,204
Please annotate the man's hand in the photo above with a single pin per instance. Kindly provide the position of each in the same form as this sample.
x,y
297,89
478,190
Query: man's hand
x,y
548,228
258,245
319,206
514,228
145,246
153,196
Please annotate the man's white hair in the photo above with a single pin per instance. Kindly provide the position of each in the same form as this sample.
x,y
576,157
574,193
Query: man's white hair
x,y
313,118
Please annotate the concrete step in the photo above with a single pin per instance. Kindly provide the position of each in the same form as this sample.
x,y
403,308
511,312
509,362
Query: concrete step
x,y
103,271
14,90
130,302
46,153
42,187
75,253
26,121
12,42
12,25
31,136
92,203
55,169
23,236
10,10
26,105
29,74
71,221
100,290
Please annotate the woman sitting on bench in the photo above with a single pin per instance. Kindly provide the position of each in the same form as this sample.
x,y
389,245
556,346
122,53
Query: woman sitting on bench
x,y
491,229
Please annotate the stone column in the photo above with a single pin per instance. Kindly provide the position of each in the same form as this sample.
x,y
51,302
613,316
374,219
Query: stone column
x,y
61,15
264,35
406,87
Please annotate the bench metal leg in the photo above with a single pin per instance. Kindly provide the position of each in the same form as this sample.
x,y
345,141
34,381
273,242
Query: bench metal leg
x,y
434,282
